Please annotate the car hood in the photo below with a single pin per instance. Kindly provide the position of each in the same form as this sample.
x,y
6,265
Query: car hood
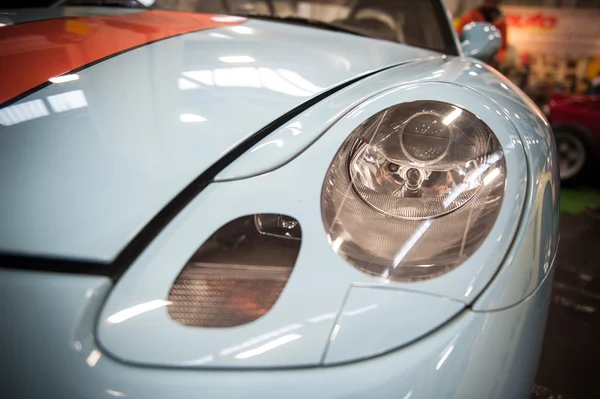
x,y
88,160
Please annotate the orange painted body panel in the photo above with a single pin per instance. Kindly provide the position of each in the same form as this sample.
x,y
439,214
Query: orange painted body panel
x,y
31,53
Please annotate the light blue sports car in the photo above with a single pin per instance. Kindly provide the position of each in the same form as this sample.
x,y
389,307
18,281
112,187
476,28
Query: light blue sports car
x,y
270,199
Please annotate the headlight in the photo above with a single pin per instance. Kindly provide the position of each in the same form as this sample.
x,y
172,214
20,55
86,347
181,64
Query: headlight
x,y
413,191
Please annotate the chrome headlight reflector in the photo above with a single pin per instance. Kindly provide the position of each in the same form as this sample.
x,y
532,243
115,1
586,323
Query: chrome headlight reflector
x,y
414,190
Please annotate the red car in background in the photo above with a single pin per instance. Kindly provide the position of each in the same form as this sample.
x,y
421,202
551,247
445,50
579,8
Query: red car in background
x,y
576,123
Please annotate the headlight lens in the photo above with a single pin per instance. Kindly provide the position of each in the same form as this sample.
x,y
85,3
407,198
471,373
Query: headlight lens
x,y
414,190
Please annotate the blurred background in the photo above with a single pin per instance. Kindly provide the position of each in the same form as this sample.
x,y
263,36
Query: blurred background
x,y
552,45
553,54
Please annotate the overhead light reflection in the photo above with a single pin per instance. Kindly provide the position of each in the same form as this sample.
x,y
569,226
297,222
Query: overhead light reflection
x,y
278,143
204,77
93,358
237,77
236,59
202,360
334,333
22,112
360,310
66,101
220,36
64,78
462,187
444,357
260,338
186,84
355,113
407,246
136,310
118,394
191,118
298,80
227,18
268,346
452,116
242,30
295,127
323,317
337,243
278,80
272,80
491,176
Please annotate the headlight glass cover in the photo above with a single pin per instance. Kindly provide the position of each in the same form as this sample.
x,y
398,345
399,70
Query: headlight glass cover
x,y
414,190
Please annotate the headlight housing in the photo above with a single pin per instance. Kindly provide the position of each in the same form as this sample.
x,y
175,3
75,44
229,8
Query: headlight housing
x,y
414,190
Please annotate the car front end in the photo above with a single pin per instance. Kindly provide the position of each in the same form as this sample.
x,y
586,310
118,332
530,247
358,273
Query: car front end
x,y
262,210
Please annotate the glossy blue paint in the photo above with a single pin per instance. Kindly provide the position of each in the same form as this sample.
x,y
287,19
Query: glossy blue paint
x,y
47,331
378,320
88,162
150,277
536,244
299,133
480,40
476,355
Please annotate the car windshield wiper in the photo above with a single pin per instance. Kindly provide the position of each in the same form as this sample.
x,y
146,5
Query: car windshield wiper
x,y
310,22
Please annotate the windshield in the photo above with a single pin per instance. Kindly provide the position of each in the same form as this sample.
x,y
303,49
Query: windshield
x,y
420,23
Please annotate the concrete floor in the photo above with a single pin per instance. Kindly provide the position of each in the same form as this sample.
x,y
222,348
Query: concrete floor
x,y
570,362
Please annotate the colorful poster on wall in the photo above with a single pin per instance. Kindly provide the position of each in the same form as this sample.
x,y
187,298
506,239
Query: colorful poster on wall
x,y
559,31
552,49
